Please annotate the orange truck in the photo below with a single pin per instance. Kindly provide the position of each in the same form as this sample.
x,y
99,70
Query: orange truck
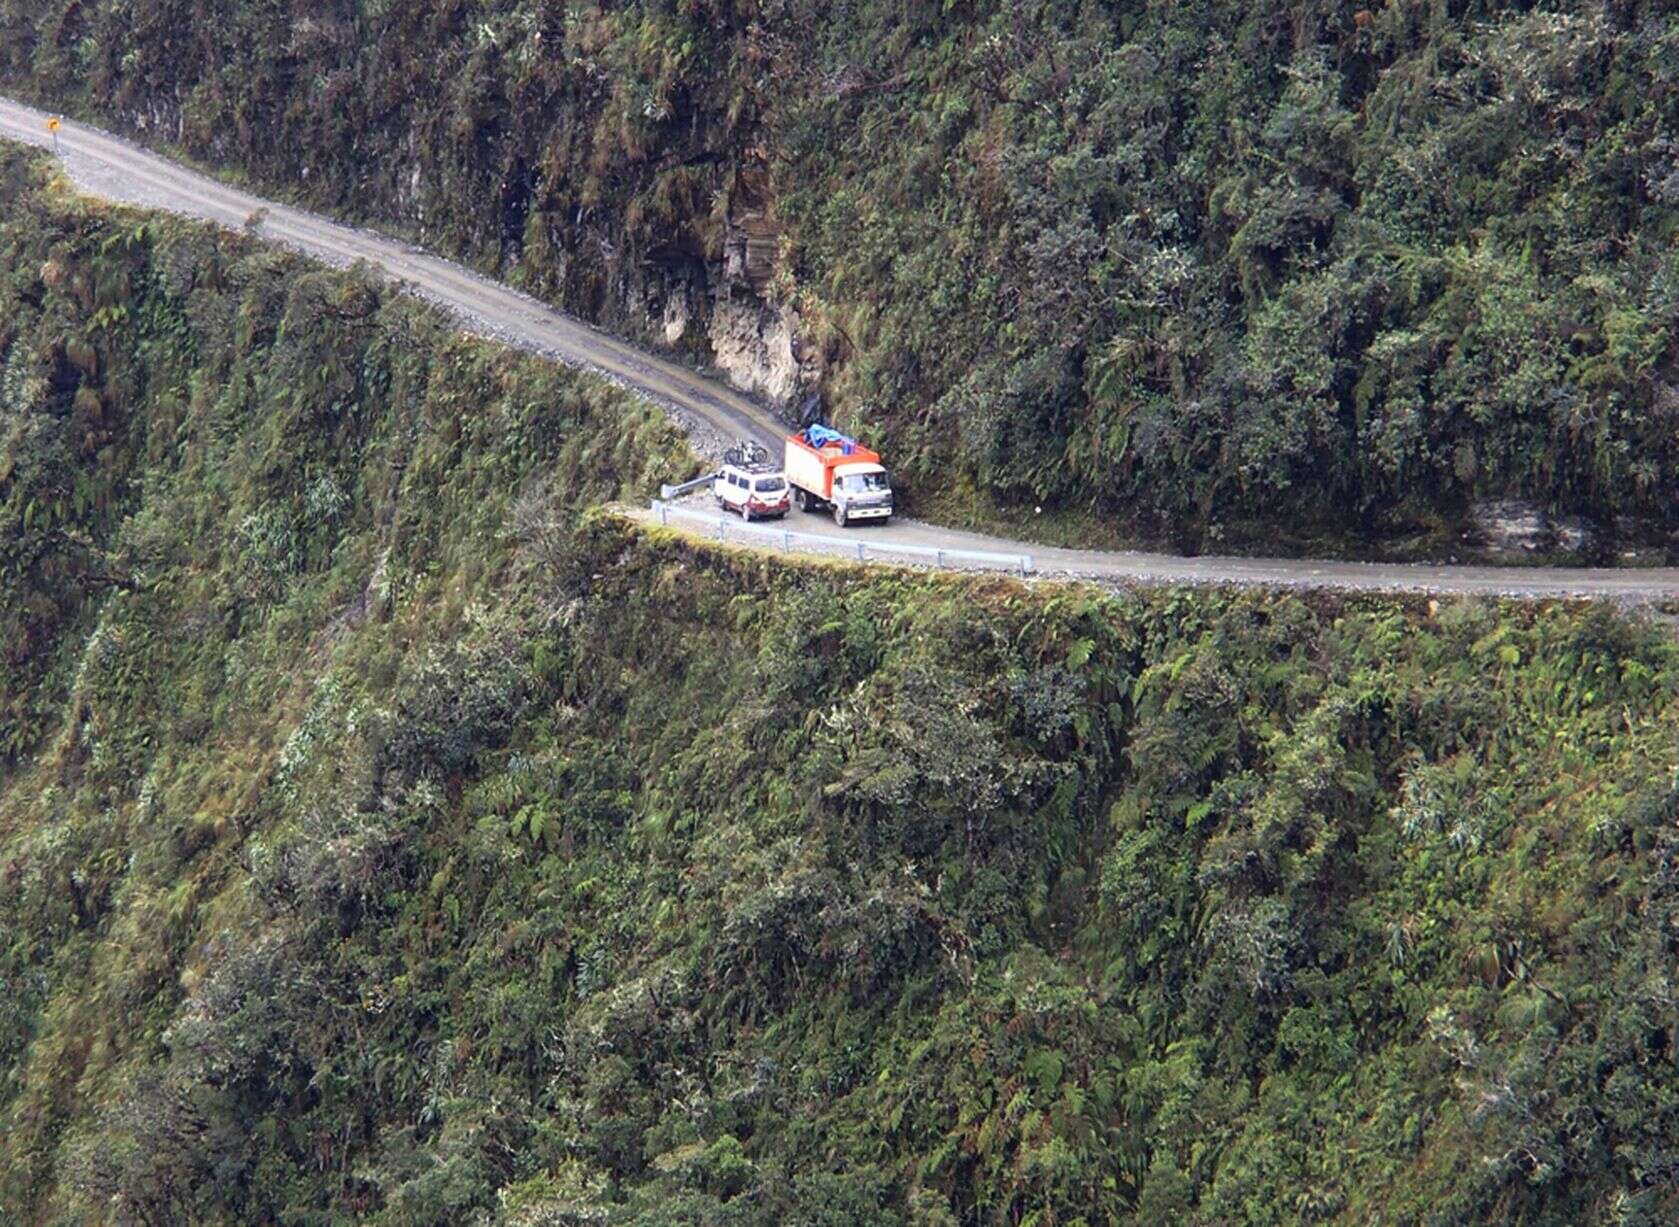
x,y
828,470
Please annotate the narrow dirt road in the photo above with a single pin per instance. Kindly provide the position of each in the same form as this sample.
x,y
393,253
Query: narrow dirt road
x,y
109,167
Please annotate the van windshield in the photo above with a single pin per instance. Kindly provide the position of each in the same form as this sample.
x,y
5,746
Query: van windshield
x,y
769,485
864,483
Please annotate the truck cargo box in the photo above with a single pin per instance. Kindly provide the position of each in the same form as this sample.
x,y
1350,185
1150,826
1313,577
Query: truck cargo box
x,y
812,468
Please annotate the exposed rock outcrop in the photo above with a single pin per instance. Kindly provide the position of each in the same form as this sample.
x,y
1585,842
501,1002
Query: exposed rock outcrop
x,y
676,316
757,348
1515,527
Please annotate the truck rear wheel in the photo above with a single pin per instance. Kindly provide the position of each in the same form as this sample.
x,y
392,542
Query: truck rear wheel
x,y
803,498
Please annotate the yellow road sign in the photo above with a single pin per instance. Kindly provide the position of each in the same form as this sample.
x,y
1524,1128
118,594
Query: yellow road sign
x,y
53,124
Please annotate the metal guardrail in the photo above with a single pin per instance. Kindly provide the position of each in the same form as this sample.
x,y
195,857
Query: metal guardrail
x,y
852,547
668,491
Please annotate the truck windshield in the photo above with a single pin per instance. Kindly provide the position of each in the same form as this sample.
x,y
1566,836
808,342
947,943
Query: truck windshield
x,y
864,483
769,485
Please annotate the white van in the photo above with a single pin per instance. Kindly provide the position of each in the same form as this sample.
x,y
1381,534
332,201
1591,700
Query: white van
x,y
753,491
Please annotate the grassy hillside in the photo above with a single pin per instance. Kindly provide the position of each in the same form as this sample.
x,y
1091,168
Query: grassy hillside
x,y
1220,268
381,839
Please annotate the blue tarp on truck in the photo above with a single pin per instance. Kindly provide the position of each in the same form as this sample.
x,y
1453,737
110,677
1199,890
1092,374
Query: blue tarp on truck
x,y
826,436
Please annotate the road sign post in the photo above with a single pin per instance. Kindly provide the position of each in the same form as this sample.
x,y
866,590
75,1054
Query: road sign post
x,y
53,125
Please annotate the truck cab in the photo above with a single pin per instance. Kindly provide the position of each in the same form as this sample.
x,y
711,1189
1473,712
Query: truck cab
x,y
830,471
861,492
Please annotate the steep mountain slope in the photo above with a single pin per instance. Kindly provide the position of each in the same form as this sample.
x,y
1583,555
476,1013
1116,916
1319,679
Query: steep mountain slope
x,y
1234,271
390,839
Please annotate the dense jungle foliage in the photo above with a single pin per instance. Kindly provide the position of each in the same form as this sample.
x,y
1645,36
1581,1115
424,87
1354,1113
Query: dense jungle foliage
x,y
1212,265
382,839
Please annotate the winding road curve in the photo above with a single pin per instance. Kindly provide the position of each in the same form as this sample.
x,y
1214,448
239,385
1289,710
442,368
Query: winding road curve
x,y
109,167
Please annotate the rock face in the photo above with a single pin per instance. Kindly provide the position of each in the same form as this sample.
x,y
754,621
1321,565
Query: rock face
x,y
675,320
756,347
754,340
1511,526
752,237
717,313
724,304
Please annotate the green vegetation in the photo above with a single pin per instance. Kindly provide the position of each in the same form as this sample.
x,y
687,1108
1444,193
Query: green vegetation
x,y
1215,266
383,839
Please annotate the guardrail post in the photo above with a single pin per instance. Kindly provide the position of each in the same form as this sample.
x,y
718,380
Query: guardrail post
x,y
861,557
938,557
1025,564
787,540
722,529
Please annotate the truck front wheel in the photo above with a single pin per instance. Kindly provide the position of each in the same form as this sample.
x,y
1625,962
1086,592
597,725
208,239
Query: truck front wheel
x,y
839,515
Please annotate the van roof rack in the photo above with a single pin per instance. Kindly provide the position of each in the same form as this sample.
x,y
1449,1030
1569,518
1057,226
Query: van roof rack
x,y
748,454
